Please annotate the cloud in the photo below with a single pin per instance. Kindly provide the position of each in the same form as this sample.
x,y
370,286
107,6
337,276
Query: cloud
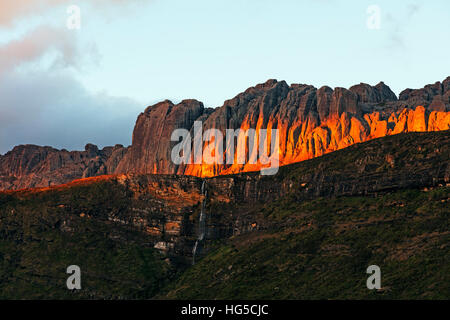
x,y
54,109
46,105
12,10
399,25
41,102
413,9
35,45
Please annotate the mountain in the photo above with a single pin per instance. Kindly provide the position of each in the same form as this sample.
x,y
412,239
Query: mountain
x,y
308,232
311,122
29,166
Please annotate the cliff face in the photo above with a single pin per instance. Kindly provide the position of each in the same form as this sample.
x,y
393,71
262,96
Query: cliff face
x,y
150,151
29,166
165,209
135,233
311,122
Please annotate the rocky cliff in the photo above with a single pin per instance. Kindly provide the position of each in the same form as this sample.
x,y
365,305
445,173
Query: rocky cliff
x,y
166,208
311,122
29,166
125,231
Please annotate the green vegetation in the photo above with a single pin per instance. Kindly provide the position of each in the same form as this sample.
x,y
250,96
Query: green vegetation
x,y
320,249
43,233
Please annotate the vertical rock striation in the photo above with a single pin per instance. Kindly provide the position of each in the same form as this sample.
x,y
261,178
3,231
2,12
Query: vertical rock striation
x,y
310,121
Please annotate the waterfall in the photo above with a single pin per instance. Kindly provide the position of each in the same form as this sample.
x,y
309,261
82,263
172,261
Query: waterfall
x,y
201,223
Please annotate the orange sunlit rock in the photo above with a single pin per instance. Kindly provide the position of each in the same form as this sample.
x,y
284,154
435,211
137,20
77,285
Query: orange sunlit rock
x,y
335,133
310,122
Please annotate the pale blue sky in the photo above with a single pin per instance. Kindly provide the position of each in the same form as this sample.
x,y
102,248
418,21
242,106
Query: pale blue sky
x,y
127,56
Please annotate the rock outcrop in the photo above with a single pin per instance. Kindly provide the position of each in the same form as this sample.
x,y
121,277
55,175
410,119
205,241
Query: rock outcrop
x,y
29,166
310,121
151,148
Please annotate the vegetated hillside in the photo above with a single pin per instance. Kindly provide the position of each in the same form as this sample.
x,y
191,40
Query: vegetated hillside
x,y
320,249
386,202
40,237
308,232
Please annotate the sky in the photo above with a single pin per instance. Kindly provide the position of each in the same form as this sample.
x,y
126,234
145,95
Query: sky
x,y
66,87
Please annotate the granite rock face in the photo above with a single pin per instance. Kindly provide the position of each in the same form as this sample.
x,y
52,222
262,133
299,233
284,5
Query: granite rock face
x,y
29,166
377,94
310,121
151,148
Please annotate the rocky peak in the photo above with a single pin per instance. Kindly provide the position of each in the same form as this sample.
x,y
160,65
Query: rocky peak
x,y
343,100
378,94
271,85
151,147
385,92
91,150
425,95
311,122
267,85
436,97
324,96
28,166
446,85
166,104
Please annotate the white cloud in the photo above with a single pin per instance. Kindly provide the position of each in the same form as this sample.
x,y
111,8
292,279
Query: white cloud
x,y
12,10
44,104
35,45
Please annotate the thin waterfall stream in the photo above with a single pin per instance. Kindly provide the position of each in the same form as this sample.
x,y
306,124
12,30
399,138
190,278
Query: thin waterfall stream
x,y
201,223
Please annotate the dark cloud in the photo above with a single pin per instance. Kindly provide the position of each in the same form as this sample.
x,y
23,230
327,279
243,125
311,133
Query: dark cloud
x,y
47,105
54,109
43,103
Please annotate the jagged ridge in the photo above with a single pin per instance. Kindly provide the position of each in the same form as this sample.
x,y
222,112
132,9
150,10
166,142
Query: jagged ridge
x,y
311,121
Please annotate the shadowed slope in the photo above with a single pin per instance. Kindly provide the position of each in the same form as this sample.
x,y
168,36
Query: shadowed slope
x,y
309,231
